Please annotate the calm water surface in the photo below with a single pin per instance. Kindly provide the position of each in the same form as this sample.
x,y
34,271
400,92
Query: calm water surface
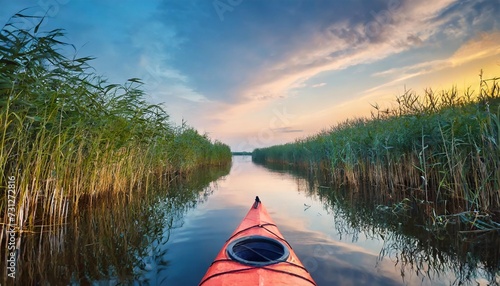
x,y
170,237
335,251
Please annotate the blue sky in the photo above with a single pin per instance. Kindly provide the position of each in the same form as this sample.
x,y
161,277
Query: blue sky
x,y
254,73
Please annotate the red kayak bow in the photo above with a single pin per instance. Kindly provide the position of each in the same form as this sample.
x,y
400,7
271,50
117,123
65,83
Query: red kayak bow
x,y
257,254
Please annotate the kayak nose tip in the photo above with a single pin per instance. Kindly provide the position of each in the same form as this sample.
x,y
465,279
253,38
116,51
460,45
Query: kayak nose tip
x,y
257,201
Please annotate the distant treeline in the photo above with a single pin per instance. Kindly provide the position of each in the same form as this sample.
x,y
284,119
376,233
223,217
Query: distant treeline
x,y
438,152
67,135
242,153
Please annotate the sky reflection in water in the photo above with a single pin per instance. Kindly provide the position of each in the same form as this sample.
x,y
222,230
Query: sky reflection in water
x,y
333,256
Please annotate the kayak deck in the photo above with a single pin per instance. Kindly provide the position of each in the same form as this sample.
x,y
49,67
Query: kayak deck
x,y
257,254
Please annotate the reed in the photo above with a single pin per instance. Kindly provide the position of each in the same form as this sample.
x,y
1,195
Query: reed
x,y
114,243
68,136
432,254
438,151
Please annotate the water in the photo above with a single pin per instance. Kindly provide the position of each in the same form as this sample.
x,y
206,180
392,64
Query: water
x,y
172,236
335,251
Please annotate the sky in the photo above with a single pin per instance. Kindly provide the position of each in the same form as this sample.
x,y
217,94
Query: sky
x,y
256,73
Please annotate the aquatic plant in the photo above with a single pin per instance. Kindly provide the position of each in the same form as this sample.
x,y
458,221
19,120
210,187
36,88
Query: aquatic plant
x,y
421,252
68,137
438,151
118,243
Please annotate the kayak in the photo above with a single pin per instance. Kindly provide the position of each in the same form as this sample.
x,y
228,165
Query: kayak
x,y
257,254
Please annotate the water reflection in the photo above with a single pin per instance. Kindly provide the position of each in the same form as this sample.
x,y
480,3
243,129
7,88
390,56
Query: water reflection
x,y
445,256
114,242
170,238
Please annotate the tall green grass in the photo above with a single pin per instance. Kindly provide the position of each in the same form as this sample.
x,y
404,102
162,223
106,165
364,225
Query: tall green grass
x,y
68,136
439,151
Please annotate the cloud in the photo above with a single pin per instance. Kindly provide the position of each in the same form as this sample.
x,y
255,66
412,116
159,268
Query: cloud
x,y
383,33
344,44
276,48
224,57
318,85
333,45
287,130
483,46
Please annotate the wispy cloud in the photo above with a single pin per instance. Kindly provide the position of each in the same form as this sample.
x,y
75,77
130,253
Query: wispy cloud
x,y
344,44
287,130
483,46
318,85
282,60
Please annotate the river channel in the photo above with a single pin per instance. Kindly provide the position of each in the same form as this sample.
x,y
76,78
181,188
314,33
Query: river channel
x,y
172,237
333,241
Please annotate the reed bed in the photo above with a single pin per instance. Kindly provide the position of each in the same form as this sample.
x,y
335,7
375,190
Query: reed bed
x,y
113,244
431,254
437,152
68,137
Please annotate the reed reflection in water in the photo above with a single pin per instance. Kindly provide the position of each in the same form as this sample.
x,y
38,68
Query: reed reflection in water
x,y
170,238
116,241
341,239
420,254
